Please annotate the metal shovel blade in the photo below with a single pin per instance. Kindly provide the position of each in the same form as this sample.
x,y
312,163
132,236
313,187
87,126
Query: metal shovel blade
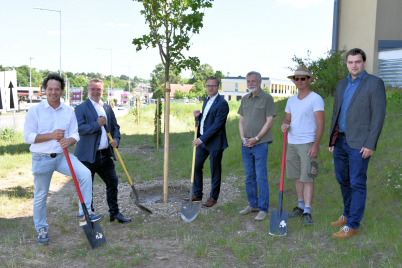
x,y
136,199
279,223
189,210
94,234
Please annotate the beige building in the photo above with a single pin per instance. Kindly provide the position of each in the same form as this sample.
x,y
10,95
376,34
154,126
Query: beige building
x,y
372,25
234,88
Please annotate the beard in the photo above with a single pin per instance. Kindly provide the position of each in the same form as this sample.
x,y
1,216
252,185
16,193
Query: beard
x,y
253,89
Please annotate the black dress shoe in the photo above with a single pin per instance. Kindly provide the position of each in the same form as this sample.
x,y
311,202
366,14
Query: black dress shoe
x,y
120,218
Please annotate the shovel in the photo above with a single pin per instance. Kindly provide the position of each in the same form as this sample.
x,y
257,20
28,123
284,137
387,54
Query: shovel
x,y
189,210
279,219
135,197
92,230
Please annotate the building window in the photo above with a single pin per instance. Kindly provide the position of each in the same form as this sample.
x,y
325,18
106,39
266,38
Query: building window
x,y
236,87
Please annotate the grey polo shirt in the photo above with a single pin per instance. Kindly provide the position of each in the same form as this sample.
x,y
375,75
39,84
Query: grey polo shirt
x,y
255,112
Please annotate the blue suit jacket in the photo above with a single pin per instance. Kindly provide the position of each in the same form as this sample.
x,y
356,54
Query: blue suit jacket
x,y
214,136
365,115
90,131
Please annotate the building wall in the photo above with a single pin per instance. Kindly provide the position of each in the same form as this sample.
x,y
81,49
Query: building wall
x,y
362,23
357,24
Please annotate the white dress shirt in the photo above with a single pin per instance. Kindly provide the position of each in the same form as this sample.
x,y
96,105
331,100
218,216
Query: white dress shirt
x,y
43,119
101,112
205,113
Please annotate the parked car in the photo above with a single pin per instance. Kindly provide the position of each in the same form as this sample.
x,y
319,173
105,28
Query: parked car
x,y
120,107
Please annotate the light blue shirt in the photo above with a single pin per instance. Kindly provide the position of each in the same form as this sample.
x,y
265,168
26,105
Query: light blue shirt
x,y
347,97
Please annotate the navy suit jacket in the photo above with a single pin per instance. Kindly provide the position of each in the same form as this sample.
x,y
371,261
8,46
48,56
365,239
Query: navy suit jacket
x,y
214,135
90,131
365,114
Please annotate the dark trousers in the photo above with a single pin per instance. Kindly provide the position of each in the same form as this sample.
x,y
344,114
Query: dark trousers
x,y
104,166
215,159
350,171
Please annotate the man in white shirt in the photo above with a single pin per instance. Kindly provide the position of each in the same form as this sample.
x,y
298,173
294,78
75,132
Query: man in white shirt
x,y
211,141
94,149
50,127
304,120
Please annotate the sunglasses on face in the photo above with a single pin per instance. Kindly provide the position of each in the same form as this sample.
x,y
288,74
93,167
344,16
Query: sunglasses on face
x,y
301,78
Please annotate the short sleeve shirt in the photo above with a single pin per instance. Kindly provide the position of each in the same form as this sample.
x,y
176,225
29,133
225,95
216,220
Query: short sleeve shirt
x,y
255,111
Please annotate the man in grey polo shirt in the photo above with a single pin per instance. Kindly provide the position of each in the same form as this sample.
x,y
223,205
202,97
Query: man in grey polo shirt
x,y
257,111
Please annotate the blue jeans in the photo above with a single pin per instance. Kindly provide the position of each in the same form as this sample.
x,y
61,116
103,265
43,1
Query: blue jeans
x,y
104,166
350,171
215,160
255,165
42,170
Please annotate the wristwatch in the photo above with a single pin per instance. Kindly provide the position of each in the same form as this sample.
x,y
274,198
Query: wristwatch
x,y
256,137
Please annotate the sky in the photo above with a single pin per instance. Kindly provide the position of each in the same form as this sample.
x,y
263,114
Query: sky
x,y
96,36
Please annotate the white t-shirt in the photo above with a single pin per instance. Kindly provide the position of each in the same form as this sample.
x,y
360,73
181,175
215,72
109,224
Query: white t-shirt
x,y
303,124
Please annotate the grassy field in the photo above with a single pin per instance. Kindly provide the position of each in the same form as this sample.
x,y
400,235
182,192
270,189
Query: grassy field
x,y
221,238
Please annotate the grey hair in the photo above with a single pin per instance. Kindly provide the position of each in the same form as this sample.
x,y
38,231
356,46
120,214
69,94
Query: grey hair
x,y
255,73
96,80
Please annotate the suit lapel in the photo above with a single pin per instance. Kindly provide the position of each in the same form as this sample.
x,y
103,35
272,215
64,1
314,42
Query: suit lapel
x,y
359,88
92,109
212,106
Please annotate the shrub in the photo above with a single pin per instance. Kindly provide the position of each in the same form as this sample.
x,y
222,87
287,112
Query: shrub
x,y
328,71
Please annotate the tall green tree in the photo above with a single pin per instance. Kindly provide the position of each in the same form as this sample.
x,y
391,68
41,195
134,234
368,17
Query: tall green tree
x,y
171,24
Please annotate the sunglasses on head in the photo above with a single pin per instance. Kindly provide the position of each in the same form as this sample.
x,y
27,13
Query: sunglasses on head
x,y
301,78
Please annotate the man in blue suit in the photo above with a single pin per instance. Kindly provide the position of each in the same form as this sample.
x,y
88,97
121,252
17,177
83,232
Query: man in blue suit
x,y
94,149
357,120
211,141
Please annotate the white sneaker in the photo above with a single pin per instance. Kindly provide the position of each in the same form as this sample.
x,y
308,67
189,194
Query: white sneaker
x,y
248,210
261,216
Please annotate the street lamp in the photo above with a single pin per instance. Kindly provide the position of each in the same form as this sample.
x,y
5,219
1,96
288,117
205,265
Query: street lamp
x,y
111,71
53,10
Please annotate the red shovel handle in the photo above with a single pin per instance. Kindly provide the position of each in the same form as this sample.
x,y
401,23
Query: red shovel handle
x,y
283,160
73,175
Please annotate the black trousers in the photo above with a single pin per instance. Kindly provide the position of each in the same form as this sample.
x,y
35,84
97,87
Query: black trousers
x,y
104,166
215,159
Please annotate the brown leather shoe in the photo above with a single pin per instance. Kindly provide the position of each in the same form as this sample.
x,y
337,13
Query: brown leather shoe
x,y
195,198
345,232
210,202
340,222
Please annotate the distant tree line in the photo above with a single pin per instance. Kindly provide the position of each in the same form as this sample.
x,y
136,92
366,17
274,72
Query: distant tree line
x,y
73,80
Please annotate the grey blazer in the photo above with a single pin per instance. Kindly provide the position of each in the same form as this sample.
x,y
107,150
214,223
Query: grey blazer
x,y
365,115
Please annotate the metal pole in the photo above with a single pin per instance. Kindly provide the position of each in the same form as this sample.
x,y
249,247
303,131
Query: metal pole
x,y
30,79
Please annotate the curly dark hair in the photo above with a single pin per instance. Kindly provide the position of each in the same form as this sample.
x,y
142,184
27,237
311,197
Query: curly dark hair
x,y
54,77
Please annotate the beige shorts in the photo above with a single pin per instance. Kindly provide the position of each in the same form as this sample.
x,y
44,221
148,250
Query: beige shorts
x,y
298,162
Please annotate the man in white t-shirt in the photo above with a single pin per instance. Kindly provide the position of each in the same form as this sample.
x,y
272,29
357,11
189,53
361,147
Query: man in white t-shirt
x,y
304,120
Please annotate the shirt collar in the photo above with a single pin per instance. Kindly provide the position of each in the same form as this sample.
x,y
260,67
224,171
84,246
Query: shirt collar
x,y
95,103
47,105
357,78
250,94
213,98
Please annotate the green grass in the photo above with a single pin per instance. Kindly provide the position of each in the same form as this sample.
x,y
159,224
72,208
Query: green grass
x,y
221,238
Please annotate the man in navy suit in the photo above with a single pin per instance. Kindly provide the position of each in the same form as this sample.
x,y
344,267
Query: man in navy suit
x,y
211,141
357,120
94,149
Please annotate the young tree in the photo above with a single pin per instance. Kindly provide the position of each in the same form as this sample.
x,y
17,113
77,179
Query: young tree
x,y
171,24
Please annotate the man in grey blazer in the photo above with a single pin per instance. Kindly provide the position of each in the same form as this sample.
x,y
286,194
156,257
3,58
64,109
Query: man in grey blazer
x,y
357,120
94,149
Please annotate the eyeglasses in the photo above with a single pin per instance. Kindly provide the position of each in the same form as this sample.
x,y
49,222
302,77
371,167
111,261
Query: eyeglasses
x,y
211,86
301,78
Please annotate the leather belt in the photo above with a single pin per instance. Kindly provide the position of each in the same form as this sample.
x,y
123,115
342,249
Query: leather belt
x,y
103,151
52,155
